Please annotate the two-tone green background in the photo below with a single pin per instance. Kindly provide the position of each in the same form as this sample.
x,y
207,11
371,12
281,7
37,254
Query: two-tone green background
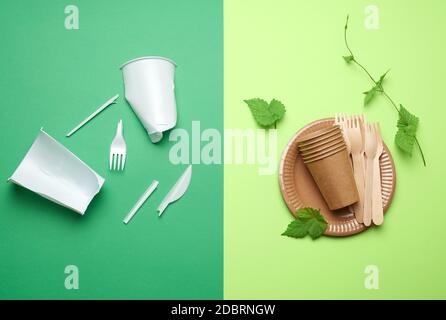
x,y
222,240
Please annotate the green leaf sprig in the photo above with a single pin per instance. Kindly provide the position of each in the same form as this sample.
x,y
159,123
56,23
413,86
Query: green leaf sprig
x,y
266,114
309,222
407,127
407,124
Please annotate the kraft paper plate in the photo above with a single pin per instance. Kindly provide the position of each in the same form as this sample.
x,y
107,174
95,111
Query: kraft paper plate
x,y
299,189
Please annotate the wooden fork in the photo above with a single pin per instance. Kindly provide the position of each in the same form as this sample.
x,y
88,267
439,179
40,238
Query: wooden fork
x,y
341,120
371,147
362,121
357,151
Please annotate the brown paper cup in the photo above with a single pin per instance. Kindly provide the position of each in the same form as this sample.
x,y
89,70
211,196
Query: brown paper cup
x,y
333,175
327,141
325,151
322,147
318,140
314,136
324,155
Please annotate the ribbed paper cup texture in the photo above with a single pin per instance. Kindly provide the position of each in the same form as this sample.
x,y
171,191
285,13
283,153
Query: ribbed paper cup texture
x,y
323,155
339,146
321,147
304,148
333,175
319,134
316,141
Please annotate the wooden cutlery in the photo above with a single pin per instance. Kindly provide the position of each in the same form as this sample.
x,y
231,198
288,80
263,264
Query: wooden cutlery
x,y
377,203
371,147
365,146
357,153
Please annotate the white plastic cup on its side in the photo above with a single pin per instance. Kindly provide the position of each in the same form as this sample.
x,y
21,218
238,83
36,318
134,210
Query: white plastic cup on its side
x,y
150,91
52,171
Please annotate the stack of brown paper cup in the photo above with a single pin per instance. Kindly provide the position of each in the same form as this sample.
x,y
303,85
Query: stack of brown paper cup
x,y
324,153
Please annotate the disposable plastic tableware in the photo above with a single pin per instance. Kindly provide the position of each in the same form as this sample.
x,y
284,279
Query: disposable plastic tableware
x,y
141,201
118,150
94,114
52,171
177,190
149,89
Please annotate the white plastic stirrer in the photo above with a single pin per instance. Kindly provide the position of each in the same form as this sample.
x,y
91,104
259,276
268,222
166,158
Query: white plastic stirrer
x,y
141,201
94,114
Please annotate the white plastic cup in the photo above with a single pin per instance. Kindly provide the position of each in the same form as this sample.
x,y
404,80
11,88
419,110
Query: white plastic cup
x,y
149,89
52,171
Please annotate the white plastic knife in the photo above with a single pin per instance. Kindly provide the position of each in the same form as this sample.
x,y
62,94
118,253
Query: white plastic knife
x,y
177,190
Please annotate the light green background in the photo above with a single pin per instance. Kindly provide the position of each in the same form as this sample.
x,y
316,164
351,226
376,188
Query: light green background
x,y
53,77
292,50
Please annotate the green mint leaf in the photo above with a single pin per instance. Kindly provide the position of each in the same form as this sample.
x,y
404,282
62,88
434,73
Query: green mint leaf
x,y
296,229
266,114
348,59
381,79
260,112
407,121
407,128
277,109
369,95
316,228
309,221
306,214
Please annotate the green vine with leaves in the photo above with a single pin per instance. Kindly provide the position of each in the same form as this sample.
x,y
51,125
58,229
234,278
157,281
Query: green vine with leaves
x,y
407,124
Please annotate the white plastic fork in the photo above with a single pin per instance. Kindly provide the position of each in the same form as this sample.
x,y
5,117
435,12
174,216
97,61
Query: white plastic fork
x,y
118,150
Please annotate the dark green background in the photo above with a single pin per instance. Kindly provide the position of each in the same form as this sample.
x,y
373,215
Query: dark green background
x,y
52,77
